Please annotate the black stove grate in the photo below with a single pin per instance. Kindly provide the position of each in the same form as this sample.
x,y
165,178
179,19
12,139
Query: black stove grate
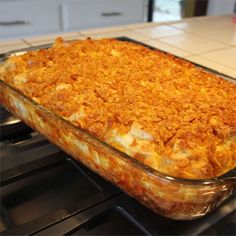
x,y
39,193
11,127
44,196
45,192
123,215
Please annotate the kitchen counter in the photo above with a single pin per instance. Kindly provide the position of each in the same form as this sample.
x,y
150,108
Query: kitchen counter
x,y
208,40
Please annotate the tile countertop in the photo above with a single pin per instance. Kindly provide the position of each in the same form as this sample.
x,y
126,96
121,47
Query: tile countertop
x,y
209,40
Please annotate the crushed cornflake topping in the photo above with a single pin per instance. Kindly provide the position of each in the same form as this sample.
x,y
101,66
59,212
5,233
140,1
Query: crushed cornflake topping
x,y
185,117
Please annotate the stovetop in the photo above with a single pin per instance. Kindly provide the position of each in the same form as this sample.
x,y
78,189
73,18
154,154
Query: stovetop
x,y
45,192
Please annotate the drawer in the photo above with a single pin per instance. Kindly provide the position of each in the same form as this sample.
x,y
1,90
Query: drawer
x,y
20,18
80,14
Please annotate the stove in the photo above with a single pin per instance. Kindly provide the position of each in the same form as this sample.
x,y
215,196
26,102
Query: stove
x,y
45,192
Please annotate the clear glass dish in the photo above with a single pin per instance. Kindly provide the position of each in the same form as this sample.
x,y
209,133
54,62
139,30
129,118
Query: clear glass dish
x,y
176,198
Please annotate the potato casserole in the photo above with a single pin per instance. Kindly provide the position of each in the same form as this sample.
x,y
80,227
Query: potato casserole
x,y
165,112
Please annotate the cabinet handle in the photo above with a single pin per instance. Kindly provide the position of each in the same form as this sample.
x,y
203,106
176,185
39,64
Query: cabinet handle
x,y
111,14
16,22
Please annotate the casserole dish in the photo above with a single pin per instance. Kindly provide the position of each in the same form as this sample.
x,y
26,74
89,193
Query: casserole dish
x,y
172,197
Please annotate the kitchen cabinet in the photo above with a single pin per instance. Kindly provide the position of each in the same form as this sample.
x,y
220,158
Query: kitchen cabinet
x,y
24,17
20,18
78,14
219,7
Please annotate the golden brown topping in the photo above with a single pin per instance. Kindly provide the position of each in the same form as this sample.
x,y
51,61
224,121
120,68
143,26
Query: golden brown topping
x,y
163,111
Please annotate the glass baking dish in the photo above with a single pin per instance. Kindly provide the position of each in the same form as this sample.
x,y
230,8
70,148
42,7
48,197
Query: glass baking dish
x,y
176,198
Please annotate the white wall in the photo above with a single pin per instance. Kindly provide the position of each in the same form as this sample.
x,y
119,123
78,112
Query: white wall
x,y
220,7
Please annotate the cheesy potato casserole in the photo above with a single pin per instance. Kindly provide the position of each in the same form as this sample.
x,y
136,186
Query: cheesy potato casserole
x,y
163,111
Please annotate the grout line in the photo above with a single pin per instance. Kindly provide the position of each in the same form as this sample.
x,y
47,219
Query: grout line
x,y
169,23
223,69
128,31
193,31
190,53
145,25
211,38
26,42
103,30
153,38
218,49
79,33
229,67
140,34
204,35
82,34
200,56
213,50
3,43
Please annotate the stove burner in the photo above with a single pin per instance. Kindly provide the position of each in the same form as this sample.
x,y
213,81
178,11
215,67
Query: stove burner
x,y
11,127
6,118
45,192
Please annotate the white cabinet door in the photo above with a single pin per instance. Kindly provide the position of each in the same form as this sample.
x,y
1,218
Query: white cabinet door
x,y
80,14
219,7
20,18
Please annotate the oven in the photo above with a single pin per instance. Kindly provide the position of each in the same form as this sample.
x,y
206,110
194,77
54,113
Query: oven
x,y
45,192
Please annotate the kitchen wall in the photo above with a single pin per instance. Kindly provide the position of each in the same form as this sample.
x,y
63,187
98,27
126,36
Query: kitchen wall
x,y
220,7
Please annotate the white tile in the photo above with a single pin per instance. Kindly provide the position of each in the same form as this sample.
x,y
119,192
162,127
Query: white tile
x,y
206,24
143,25
225,15
203,18
7,48
126,33
186,19
225,57
4,43
41,37
102,30
193,43
69,34
158,31
72,36
168,48
75,37
135,36
220,22
225,35
195,27
212,65
192,19
45,39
